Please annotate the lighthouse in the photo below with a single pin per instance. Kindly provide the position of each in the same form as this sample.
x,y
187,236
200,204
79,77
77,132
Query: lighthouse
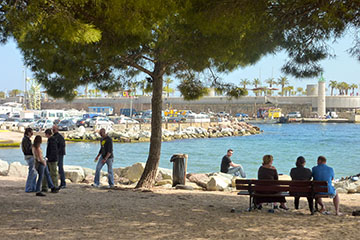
x,y
321,101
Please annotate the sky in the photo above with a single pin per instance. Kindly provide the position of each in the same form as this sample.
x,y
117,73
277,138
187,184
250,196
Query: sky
x,y
341,68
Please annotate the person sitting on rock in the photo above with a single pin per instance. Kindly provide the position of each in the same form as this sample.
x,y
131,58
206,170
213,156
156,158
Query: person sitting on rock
x,y
236,170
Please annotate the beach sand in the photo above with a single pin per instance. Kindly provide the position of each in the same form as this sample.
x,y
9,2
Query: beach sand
x,y
82,212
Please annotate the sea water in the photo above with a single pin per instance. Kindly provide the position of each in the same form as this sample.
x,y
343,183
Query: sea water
x,y
338,142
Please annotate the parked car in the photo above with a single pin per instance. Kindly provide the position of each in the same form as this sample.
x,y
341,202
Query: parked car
x,y
176,119
25,122
81,122
41,124
294,115
66,125
100,121
11,122
3,117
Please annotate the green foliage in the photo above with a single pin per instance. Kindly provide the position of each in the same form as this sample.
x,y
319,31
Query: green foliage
x,y
2,94
14,93
192,89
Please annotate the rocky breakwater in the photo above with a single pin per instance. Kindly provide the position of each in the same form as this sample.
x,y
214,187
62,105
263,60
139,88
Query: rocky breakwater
x,y
135,134
350,184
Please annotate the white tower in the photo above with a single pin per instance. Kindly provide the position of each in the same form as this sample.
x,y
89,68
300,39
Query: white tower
x,y
321,101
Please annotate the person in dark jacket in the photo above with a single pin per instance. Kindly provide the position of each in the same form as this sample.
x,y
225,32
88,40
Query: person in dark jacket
x,y
301,173
26,147
106,156
52,159
61,148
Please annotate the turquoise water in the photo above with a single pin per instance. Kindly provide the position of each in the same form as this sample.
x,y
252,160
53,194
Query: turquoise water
x,y
339,143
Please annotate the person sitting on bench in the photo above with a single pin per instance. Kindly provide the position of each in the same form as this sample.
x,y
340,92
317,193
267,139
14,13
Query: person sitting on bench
x,y
268,172
301,173
322,172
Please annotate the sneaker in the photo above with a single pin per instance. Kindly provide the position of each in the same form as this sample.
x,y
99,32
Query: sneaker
x,y
44,190
54,190
110,186
95,185
40,194
62,187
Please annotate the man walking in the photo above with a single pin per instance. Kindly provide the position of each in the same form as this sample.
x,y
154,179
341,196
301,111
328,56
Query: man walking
x,y
26,147
61,152
52,156
236,170
322,172
106,156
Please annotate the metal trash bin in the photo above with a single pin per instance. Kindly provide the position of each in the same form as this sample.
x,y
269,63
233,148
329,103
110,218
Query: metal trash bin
x,y
179,168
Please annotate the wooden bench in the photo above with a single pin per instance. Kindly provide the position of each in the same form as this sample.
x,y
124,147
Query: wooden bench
x,y
282,188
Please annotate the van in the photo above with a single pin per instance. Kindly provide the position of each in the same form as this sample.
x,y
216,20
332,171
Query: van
x,y
127,111
54,114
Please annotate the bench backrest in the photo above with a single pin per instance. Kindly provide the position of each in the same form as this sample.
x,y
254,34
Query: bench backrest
x,y
303,186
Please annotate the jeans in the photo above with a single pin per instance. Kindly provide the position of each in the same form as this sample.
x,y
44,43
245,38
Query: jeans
x,y
43,170
52,167
99,166
31,178
61,170
237,171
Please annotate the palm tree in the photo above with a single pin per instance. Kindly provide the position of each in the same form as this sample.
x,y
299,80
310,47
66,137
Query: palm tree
x,y
291,90
256,82
14,92
300,90
346,88
271,82
353,87
142,85
167,88
244,82
282,81
333,84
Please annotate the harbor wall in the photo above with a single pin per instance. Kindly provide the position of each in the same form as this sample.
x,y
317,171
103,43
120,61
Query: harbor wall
x,y
307,105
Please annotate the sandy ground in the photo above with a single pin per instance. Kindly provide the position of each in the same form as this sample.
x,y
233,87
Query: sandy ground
x,y
82,212
6,135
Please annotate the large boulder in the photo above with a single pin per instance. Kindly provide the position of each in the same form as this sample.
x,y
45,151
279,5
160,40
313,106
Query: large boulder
x,y
121,172
164,173
75,173
89,172
218,183
18,170
135,171
4,168
200,179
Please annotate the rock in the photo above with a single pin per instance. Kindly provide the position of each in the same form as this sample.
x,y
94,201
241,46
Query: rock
x,y
233,181
124,181
165,173
284,177
89,172
104,180
18,170
163,182
341,190
4,168
89,179
135,171
351,191
184,187
218,183
200,179
75,173
167,186
121,172
194,185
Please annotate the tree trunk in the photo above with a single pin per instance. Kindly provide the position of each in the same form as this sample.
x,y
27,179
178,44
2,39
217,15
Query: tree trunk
x,y
147,179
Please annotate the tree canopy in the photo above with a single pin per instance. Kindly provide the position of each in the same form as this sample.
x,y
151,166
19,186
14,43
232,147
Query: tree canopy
x,y
68,43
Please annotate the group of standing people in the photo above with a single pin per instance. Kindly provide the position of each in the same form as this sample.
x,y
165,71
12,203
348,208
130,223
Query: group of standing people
x,y
43,171
321,172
